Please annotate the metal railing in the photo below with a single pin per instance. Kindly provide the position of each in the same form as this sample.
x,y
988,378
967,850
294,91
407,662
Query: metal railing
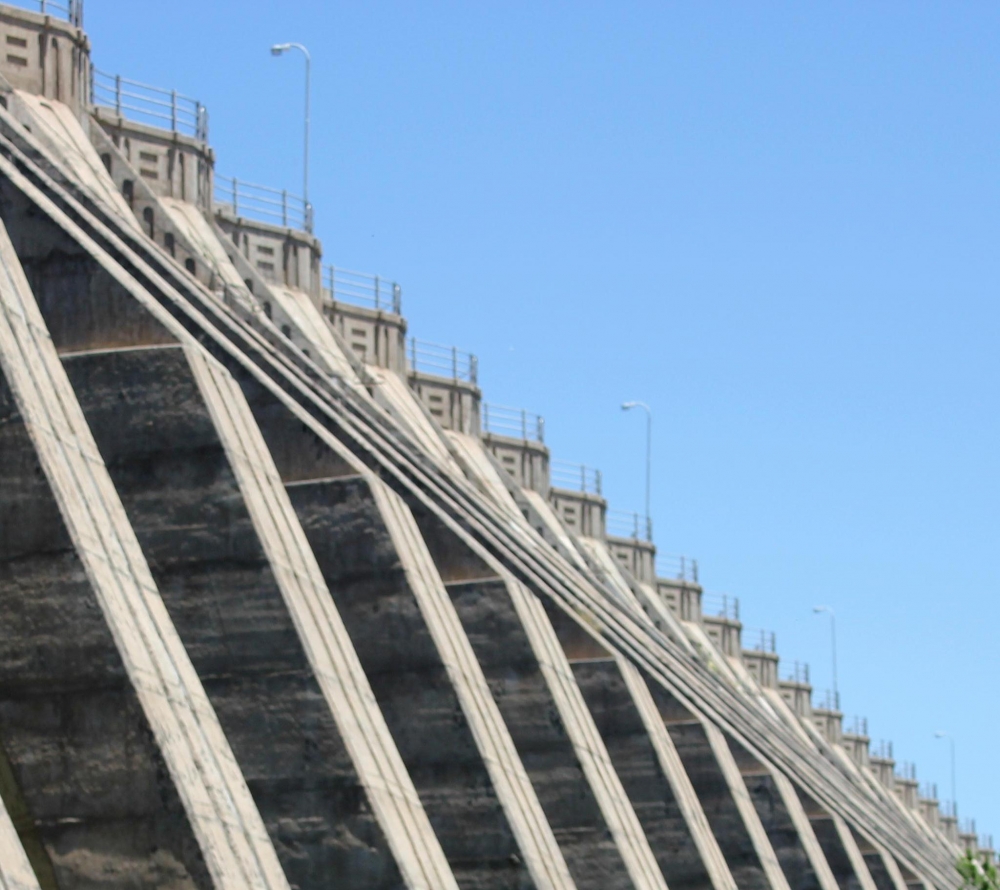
x,y
575,477
622,524
261,202
362,289
72,10
758,640
512,422
858,726
968,826
683,568
949,809
906,771
797,672
929,791
443,361
830,701
149,105
721,605
883,751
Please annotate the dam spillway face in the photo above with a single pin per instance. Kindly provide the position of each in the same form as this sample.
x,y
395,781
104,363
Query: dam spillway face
x,y
285,604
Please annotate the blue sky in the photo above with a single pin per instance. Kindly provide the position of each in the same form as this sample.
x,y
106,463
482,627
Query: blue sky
x,y
776,223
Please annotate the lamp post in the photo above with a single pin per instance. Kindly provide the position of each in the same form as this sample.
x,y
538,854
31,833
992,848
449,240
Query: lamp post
x,y
628,406
277,50
833,649
941,734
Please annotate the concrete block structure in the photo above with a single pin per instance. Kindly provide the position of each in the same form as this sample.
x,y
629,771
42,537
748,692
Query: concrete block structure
x,y
287,604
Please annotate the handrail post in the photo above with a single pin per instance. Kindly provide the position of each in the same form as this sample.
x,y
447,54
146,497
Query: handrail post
x,y
454,363
597,474
43,6
173,110
236,199
377,306
118,95
474,369
413,353
397,299
486,417
524,424
284,207
541,430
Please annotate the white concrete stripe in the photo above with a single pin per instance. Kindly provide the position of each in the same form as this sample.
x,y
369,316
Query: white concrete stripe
x,y
331,654
608,790
510,780
737,787
220,809
16,872
680,784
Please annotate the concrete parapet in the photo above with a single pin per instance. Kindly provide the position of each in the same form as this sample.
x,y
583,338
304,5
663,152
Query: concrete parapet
x,y
526,460
949,826
171,164
761,661
929,806
856,743
376,336
683,597
796,690
721,618
282,256
582,512
46,56
906,787
635,555
828,719
883,765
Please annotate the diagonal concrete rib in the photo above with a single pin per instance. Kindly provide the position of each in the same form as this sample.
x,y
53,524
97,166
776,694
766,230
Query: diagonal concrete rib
x,y
533,832
231,834
858,863
590,748
329,648
680,783
817,859
738,789
15,870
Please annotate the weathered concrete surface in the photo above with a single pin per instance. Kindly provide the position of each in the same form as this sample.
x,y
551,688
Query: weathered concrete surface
x,y
181,724
632,753
839,846
82,756
170,469
715,794
410,681
542,741
83,306
804,869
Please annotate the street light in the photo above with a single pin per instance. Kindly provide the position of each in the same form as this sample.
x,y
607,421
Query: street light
x,y
628,406
833,649
941,734
277,50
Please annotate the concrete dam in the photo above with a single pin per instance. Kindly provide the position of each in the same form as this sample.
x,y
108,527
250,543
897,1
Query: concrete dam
x,y
286,604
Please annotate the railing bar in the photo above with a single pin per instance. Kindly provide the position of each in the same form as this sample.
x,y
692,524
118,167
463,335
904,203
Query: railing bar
x,y
145,86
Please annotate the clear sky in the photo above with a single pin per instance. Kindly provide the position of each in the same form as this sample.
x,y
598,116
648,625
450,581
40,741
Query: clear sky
x,y
776,223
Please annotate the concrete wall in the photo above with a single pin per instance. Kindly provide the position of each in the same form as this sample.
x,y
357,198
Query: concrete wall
x,y
46,56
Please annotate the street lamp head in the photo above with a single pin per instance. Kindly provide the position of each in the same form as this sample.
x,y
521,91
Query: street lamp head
x,y
940,734
627,405
280,48
817,609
